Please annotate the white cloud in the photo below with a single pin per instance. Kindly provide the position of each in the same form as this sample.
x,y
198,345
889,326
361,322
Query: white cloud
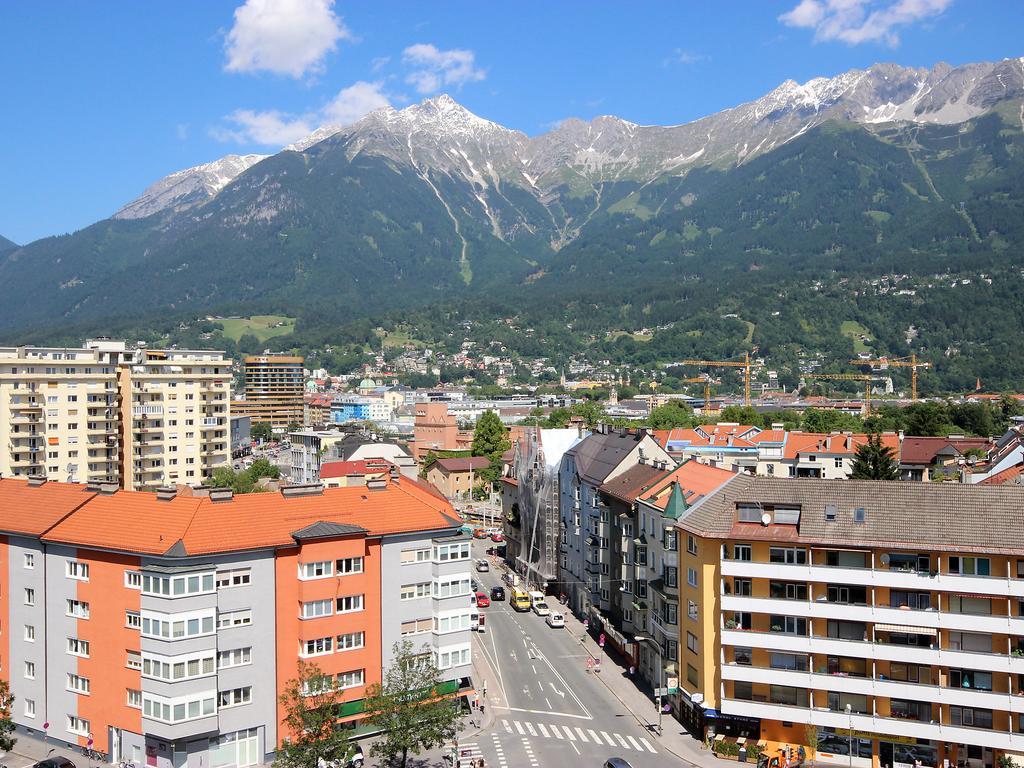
x,y
273,128
433,69
861,21
353,102
680,56
379,63
286,37
270,128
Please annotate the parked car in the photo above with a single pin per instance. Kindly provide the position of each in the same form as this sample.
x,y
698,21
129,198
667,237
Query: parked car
x,y
54,762
479,533
497,593
497,537
482,600
482,566
616,762
541,608
555,620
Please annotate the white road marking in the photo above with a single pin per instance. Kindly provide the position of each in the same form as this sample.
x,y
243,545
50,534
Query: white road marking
x,y
622,741
519,727
529,727
543,730
554,730
534,669
582,734
611,742
594,736
546,712
647,744
507,726
569,733
575,747
547,701
635,743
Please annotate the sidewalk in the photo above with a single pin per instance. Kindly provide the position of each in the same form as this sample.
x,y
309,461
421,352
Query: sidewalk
x,y
638,698
30,749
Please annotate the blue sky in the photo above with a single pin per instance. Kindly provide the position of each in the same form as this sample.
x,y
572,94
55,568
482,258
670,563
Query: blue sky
x,y
101,99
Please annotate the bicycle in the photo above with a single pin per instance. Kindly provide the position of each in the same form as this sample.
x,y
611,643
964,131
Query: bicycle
x,y
126,764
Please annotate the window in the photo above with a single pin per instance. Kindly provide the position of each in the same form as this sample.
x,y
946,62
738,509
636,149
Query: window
x,y
132,620
177,586
691,675
317,647
446,552
351,679
30,596
238,578
970,566
417,626
453,657
133,580
415,556
791,661
691,610
415,591
787,555
691,577
977,718
859,514
350,603
134,660
452,587
691,642
78,684
671,542
76,570
234,658
30,560
452,622
742,552
30,633
742,587
30,670
317,570
790,625
349,565
234,749
786,590
691,545
351,641
77,609
78,647
78,726
641,587
671,576
235,697
133,698
30,708
317,608
742,656
748,513
179,709
236,618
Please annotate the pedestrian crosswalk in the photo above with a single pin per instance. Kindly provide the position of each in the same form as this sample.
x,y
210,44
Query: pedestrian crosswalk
x,y
577,734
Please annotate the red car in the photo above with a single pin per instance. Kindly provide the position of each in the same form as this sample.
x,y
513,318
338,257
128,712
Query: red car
x,y
482,600
479,533
497,537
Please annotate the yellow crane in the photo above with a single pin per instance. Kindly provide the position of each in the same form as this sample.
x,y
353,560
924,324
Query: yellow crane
x,y
898,362
745,365
866,378
706,381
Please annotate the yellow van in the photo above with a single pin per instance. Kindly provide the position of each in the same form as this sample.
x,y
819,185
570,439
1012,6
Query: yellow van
x,y
520,600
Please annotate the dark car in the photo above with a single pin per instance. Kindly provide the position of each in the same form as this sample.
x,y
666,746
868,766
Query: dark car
x,y
616,762
497,593
54,762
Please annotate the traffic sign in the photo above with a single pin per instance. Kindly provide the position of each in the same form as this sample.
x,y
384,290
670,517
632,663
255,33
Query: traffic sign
x,y
672,684
659,692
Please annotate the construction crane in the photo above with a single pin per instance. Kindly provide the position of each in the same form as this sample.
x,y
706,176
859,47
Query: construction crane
x,y
706,381
866,378
898,362
745,365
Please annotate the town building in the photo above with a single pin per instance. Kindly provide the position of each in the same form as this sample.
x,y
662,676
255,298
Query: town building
x,y
163,627
241,434
588,530
348,408
435,429
107,412
874,623
308,447
457,477
812,454
316,409
341,474
941,458
726,445
274,388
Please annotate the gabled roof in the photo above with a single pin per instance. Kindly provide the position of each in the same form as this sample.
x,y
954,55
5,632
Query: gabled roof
x,y
709,436
923,450
598,454
1008,475
464,463
34,510
693,479
325,530
332,469
628,485
833,443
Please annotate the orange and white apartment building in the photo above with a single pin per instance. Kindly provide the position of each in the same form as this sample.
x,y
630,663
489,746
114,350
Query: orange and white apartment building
x,y
165,625
883,619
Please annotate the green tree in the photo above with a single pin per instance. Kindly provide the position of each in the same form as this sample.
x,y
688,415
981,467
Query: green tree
x,y
875,461
223,477
293,426
929,419
674,414
410,708
263,468
261,430
828,420
7,740
589,410
490,439
310,703
741,414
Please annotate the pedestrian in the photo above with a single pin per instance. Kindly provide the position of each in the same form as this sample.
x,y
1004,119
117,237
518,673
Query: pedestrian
x,y
481,705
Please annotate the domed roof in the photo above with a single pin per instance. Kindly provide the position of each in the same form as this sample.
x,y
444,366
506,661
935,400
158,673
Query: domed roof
x,y
367,383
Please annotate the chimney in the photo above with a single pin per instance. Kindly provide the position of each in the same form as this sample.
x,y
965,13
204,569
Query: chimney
x,y
34,481
221,494
377,484
302,489
166,493
108,489
778,426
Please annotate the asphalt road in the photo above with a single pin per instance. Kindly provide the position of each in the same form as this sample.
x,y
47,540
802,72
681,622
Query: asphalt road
x,y
548,709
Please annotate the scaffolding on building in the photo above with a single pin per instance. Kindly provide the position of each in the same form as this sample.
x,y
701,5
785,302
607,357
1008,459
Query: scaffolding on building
x,y
537,560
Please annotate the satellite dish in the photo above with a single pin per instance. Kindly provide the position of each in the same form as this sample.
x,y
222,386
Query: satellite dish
x,y
766,519
884,558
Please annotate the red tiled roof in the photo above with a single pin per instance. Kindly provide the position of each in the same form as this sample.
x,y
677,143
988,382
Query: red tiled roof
x,y
709,435
922,450
32,511
630,483
694,478
332,469
1007,475
836,443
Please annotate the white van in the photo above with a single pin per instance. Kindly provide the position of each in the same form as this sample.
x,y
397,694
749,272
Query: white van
x,y
555,620
536,596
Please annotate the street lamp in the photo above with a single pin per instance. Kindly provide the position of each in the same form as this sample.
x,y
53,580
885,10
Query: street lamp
x,y
849,734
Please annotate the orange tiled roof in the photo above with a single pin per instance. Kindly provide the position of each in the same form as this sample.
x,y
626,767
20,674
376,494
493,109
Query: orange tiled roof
x,y
1006,476
32,511
375,467
694,478
194,525
709,435
835,443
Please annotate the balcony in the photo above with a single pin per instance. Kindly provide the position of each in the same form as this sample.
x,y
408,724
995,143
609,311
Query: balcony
x,y
25,406
922,581
862,649
147,410
912,729
866,686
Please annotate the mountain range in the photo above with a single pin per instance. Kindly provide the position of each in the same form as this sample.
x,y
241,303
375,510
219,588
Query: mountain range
x,y
888,167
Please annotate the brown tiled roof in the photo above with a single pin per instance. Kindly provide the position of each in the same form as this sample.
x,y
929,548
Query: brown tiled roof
x,y
1008,475
463,463
933,516
630,483
922,450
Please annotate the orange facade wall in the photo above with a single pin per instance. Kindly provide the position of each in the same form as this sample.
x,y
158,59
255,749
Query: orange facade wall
x,y
293,630
109,643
